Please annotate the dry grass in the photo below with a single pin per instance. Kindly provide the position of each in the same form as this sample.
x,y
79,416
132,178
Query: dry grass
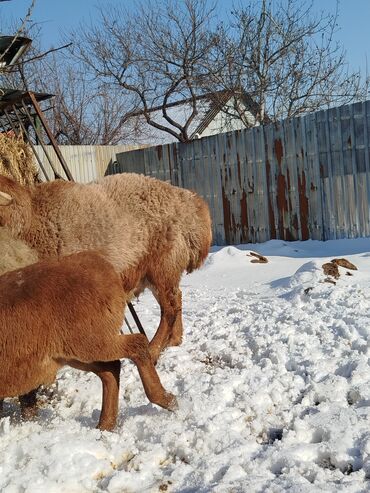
x,y
17,160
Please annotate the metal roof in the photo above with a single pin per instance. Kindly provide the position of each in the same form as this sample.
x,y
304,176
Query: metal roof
x,y
10,97
11,48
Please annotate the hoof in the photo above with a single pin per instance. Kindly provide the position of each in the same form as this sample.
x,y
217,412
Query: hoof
x,y
171,403
29,413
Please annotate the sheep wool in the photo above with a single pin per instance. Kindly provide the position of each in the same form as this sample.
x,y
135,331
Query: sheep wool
x,y
68,311
149,230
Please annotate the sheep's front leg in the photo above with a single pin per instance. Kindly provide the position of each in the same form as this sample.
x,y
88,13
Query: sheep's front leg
x,y
136,348
152,384
108,372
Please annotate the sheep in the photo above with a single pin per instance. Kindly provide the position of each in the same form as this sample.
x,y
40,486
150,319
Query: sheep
x,y
69,311
15,253
149,230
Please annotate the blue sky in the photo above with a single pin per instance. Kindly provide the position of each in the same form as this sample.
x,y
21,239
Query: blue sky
x,y
54,16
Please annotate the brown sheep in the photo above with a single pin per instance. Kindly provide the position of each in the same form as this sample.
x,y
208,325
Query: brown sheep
x,y
69,312
15,254
149,230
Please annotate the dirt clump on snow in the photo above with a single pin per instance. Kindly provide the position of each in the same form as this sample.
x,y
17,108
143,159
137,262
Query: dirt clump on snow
x,y
343,262
331,269
258,258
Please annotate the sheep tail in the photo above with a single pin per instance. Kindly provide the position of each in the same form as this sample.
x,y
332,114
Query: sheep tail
x,y
200,241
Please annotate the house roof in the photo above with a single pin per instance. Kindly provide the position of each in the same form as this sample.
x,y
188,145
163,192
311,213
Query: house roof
x,y
208,106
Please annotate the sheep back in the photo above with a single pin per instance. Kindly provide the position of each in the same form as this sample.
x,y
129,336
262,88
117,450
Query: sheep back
x,y
132,219
60,218
174,222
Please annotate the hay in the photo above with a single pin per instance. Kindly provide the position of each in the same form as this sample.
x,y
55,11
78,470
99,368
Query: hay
x,y
17,160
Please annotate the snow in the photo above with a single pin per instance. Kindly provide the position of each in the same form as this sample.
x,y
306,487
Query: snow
x,y
273,381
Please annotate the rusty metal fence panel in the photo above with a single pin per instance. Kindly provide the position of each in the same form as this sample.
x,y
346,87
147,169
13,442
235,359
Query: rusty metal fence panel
x,y
303,178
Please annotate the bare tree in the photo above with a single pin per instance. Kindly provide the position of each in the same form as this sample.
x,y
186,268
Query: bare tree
x,y
84,111
160,53
20,29
272,56
287,59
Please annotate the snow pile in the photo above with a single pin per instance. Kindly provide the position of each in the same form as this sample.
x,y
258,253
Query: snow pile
x,y
273,380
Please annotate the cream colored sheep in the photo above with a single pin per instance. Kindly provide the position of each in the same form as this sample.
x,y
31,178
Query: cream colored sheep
x,y
149,230
69,312
14,253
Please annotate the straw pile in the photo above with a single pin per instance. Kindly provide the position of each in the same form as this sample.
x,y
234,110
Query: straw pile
x,y
17,160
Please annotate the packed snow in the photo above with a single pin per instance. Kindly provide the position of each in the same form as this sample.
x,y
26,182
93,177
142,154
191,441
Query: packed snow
x,y
273,382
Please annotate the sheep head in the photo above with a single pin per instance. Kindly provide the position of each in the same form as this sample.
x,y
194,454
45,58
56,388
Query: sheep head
x,y
15,206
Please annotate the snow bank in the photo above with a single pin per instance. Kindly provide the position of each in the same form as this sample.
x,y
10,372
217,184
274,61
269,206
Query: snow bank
x,y
274,386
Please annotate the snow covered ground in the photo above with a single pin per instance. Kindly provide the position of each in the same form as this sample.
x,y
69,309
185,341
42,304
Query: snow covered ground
x,y
273,380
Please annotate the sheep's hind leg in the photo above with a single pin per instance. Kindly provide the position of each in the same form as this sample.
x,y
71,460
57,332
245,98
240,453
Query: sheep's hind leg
x,y
169,332
108,372
28,403
177,328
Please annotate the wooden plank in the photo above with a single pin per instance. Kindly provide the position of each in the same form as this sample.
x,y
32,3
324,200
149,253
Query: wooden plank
x,y
241,163
313,169
365,119
355,212
216,185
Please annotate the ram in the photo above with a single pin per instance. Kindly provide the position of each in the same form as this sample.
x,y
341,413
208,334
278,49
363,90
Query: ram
x,y
149,230
69,311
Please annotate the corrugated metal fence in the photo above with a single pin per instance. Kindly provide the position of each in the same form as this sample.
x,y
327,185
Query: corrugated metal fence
x,y
307,177
86,162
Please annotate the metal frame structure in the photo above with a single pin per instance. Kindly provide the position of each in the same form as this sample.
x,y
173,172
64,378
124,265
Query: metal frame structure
x,y
18,110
